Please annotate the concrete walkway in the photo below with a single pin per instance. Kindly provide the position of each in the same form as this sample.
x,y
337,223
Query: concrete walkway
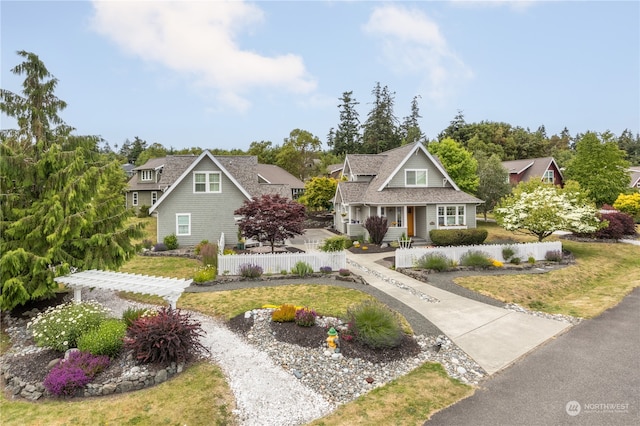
x,y
494,337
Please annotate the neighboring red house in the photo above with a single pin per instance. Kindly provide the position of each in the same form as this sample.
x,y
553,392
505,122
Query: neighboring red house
x,y
544,168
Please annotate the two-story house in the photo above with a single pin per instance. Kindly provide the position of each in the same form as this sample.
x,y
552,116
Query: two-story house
x,y
409,187
544,168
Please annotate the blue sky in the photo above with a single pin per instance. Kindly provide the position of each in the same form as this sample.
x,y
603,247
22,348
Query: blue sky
x,y
221,74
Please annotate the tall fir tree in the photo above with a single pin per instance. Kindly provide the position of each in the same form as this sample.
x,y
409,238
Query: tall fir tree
x,y
380,131
62,201
410,131
346,139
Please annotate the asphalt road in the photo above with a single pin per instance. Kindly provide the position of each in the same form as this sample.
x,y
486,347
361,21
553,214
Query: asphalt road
x,y
587,376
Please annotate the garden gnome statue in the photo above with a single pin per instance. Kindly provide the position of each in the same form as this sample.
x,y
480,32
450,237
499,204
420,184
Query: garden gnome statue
x,y
333,342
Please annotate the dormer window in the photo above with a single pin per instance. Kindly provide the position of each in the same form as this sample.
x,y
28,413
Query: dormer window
x,y
146,175
415,177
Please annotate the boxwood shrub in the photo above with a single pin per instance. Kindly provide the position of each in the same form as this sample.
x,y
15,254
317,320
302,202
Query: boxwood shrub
x,y
458,237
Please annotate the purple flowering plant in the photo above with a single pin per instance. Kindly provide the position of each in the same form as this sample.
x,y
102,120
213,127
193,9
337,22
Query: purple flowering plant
x,y
74,373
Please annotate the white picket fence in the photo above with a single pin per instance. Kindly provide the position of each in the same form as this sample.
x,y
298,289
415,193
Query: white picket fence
x,y
274,263
406,258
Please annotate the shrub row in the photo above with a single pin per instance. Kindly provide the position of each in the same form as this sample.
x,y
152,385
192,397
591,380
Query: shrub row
x,y
458,237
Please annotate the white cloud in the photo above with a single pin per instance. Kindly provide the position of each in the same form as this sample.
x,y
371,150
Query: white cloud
x,y
412,44
199,39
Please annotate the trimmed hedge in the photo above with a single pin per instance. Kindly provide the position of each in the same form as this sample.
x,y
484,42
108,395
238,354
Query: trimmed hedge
x,y
458,237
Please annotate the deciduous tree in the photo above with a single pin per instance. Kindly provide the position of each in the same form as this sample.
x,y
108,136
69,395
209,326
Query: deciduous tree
x,y
541,209
458,162
493,181
318,193
599,166
271,218
62,202
298,153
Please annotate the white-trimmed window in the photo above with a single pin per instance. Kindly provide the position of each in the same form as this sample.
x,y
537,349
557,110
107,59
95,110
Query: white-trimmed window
x,y
453,215
393,215
415,177
134,198
146,175
183,223
154,197
206,182
549,176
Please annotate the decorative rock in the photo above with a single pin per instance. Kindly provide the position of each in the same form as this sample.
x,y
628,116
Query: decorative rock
x,y
161,376
461,370
53,363
297,374
248,314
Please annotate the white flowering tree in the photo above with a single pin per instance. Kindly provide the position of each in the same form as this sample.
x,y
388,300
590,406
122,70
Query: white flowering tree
x,y
540,209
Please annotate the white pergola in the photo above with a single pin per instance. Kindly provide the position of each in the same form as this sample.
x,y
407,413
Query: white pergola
x,y
168,288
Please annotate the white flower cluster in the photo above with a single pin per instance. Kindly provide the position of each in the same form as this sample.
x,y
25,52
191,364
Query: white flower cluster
x,y
546,210
59,327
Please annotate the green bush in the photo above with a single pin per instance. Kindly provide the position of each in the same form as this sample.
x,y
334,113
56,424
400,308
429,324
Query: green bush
x,y
204,274
507,253
377,227
199,246
61,326
375,325
476,258
143,211
107,339
337,243
436,261
458,237
302,269
171,241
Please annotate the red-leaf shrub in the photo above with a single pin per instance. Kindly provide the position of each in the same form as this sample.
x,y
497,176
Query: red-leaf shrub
x,y
169,336
74,373
377,227
620,224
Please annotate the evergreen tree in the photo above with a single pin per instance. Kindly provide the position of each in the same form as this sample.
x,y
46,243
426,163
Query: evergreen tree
x,y
410,131
62,205
380,131
346,138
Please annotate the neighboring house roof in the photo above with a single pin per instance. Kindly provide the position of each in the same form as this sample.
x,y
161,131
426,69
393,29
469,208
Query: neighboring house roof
x,y
273,174
243,171
384,167
635,177
531,167
169,167
335,170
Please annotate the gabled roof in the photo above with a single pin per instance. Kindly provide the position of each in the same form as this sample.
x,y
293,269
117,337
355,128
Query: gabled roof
x,y
271,173
152,164
402,154
384,167
531,167
189,169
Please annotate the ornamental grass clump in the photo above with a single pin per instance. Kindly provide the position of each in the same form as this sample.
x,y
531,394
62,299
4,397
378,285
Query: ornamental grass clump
x,y
553,255
302,269
170,336
284,313
107,339
476,258
60,327
375,325
72,374
249,270
325,269
435,261
305,317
